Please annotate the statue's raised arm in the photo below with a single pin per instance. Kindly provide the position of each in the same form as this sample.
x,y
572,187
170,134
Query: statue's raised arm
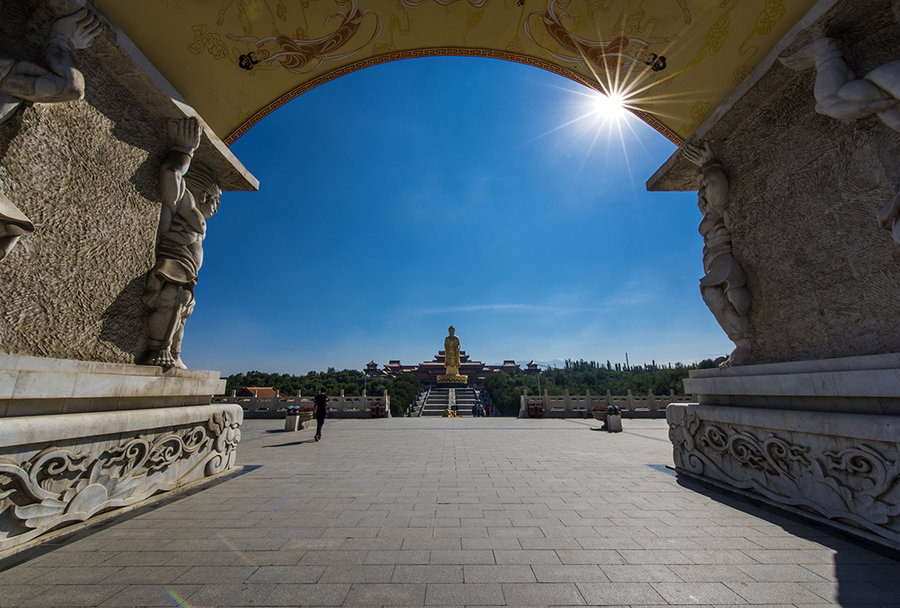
x,y
715,181
59,80
184,136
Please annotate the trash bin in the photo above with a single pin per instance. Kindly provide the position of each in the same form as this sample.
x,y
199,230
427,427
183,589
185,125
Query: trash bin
x,y
292,419
613,419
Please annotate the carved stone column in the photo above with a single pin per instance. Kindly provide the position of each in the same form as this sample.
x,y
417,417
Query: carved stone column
x,y
812,424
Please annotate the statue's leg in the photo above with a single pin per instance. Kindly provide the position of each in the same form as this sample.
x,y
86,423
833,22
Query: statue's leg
x,y
739,297
162,322
735,326
187,307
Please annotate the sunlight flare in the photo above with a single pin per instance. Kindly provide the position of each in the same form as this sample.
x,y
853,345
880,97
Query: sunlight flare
x,y
608,108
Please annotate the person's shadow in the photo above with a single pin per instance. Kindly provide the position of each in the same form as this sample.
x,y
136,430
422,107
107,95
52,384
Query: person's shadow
x,y
282,445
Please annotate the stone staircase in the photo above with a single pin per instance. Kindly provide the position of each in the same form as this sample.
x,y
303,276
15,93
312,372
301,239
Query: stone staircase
x,y
438,399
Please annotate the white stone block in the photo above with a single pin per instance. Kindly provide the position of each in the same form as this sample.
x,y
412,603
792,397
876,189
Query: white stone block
x,y
7,383
65,468
842,467
44,385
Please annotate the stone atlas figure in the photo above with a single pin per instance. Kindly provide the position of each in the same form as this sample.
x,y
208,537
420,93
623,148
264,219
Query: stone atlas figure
x,y
189,197
57,81
842,95
724,286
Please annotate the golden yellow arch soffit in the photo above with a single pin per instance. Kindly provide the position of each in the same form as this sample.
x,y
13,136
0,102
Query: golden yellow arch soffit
x,y
235,61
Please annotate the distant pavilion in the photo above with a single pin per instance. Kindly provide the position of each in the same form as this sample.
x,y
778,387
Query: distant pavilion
x,y
428,371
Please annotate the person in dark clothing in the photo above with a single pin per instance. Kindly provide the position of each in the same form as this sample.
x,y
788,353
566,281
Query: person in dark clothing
x,y
321,412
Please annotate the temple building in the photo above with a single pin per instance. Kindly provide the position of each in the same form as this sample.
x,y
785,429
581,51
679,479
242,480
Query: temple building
x,y
428,371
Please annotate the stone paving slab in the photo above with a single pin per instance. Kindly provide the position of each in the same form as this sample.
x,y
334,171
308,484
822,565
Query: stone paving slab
x,y
455,512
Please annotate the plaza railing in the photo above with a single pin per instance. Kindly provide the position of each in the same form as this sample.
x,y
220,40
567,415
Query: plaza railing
x,y
582,406
340,406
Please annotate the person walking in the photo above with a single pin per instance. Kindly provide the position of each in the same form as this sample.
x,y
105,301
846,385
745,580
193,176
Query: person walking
x,y
321,412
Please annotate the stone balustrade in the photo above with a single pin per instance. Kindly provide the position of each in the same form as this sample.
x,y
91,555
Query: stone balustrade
x,y
338,407
580,406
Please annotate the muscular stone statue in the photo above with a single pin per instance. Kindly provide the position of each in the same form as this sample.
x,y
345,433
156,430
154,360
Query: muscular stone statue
x,y
724,286
58,81
188,199
841,95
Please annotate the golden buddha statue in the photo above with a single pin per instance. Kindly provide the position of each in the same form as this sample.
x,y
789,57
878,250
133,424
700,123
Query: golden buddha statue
x,y
451,359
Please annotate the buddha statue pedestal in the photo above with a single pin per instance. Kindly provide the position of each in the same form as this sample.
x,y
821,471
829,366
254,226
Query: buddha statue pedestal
x,y
453,378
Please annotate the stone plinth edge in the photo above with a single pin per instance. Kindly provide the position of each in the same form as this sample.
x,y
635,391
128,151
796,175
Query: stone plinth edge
x,y
57,470
837,467
856,385
38,385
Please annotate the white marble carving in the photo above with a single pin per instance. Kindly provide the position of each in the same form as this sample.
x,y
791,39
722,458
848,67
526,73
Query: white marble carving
x,y
189,198
13,224
67,483
724,286
57,81
849,480
842,95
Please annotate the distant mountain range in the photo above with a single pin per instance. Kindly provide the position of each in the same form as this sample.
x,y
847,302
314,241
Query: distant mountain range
x,y
543,364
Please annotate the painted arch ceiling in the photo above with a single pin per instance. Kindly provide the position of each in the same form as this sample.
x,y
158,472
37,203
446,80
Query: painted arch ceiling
x,y
237,60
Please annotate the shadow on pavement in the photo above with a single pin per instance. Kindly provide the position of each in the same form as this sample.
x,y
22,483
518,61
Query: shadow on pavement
x,y
866,572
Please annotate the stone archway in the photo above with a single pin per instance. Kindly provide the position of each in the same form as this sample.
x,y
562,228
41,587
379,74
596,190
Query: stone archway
x,y
237,60
798,160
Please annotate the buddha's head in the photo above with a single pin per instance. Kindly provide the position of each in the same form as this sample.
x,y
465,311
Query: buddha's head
x,y
452,330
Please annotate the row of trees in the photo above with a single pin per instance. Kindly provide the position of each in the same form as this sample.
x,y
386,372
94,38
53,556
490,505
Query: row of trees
x,y
402,390
332,381
504,388
581,376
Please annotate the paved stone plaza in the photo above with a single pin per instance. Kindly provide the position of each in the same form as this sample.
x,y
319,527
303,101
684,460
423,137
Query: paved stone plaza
x,y
454,512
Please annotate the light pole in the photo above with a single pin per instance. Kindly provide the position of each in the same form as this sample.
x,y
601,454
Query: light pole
x,y
540,394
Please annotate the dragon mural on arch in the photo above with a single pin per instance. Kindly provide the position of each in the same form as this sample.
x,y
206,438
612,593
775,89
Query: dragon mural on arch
x,y
306,55
623,50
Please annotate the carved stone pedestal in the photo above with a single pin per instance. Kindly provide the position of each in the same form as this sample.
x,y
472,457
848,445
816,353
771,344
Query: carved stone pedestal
x,y
790,435
79,438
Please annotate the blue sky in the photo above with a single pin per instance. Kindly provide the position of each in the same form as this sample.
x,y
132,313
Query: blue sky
x,y
403,198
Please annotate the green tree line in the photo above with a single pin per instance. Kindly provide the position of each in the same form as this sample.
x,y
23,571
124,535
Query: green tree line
x,y
582,376
504,389
402,390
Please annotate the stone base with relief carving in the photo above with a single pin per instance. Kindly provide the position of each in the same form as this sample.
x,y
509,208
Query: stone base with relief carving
x,y
824,440
90,439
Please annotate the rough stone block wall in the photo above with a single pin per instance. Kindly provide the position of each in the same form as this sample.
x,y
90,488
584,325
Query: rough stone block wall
x,y
806,191
85,174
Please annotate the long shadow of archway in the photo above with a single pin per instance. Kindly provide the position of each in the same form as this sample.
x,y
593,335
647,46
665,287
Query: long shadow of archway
x,y
866,573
